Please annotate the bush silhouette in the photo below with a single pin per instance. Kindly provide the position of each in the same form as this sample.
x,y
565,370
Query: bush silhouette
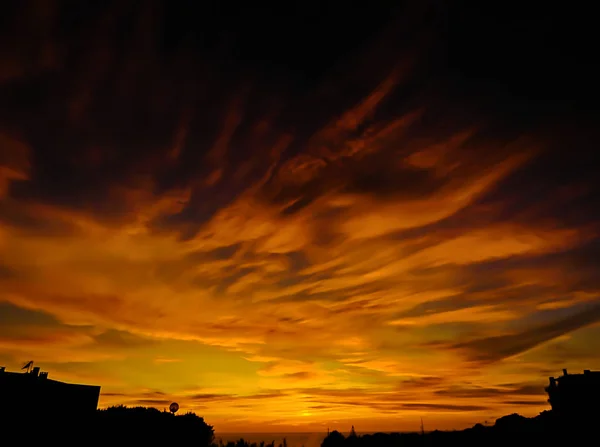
x,y
114,426
142,425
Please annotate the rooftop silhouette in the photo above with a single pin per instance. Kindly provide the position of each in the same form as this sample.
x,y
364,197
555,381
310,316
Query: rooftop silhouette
x,y
31,392
575,396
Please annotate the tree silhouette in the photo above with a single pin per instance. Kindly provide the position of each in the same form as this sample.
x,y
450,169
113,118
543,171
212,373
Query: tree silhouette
x,y
334,439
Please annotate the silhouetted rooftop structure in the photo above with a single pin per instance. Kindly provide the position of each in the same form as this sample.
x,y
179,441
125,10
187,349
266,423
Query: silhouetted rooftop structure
x,y
575,395
32,393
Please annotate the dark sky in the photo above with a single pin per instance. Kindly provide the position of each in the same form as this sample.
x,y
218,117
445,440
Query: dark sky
x,y
371,195
149,63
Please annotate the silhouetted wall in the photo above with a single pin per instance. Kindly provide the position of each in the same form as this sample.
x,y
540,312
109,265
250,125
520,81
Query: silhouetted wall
x,y
575,397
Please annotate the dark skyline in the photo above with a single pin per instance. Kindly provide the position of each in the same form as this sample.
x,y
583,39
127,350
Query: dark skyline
x,y
282,217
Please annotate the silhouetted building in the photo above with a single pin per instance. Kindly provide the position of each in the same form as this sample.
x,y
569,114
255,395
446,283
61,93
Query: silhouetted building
x,y
575,395
32,393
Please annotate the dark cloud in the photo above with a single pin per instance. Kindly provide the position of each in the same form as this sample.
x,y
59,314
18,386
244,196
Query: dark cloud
x,y
346,392
95,307
210,396
479,392
236,397
7,272
102,149
443,407
121,339
492,349
11,315
492,281
266,395
153,394
21,325
96,124
369,174
434,307
554,184
298,375
421,382
399,406
533,403
29,222
157,397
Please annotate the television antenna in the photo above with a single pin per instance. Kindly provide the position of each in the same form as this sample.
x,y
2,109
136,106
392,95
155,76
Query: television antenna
x,y
27,366
174,407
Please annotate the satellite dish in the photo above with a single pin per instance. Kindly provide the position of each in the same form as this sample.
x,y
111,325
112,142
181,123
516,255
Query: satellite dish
x,y
174,407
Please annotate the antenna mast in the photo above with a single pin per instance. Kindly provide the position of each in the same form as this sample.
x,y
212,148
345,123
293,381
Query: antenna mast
x,y
27,366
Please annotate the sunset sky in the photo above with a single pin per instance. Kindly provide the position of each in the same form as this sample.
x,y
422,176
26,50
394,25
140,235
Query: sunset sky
x,y
294,220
